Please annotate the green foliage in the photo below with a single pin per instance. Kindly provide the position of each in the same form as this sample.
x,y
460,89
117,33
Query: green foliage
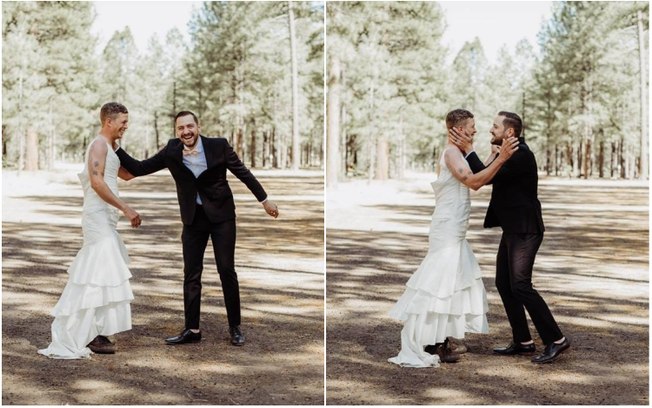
x,y
392,77
585,89
579,95
47,76
235,74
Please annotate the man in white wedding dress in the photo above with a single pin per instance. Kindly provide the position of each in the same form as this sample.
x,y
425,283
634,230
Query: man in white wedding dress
x,y
515,208
95,302
445,297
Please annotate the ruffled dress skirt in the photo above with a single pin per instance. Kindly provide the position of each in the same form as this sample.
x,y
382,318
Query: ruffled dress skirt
x,y
97,297
444,297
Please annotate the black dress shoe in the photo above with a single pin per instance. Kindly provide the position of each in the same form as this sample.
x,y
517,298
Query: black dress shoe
x,y
237,338
186,336
516,348
552,352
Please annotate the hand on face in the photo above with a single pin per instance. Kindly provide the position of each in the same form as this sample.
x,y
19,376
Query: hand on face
x,y
461,139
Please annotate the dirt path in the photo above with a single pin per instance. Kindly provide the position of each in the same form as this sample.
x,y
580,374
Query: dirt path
x,y
280,268
592,269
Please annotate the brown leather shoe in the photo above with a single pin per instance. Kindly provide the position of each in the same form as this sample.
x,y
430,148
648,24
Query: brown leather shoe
x,y
458,346
443,350
101,345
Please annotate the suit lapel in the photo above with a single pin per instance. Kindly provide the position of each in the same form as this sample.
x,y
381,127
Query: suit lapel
x,y
177,156
208,151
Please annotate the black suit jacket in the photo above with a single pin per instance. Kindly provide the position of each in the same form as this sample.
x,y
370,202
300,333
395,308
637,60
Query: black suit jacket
x,y
211,185
514,204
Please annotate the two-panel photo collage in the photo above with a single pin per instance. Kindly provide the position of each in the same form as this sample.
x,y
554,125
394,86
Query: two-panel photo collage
x,y
347,203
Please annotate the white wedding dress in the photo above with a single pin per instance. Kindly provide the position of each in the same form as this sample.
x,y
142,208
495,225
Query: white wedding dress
x,y
445,296
96,299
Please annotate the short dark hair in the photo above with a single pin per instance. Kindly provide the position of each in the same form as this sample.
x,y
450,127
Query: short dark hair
x,y
513,121
110,110
455,117
186,113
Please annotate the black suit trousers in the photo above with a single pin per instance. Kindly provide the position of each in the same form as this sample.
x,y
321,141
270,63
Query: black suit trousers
x,y
514,265
194,239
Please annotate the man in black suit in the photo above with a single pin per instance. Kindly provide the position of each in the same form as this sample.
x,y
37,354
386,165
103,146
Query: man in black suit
x,y
514,206
198,165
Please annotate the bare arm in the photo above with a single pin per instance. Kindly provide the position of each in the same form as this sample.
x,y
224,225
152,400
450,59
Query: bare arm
x,y
96,164
124,174
462,172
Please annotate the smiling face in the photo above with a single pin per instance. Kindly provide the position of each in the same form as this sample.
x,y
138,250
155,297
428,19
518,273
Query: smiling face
x,y
117,125
498,131
187,130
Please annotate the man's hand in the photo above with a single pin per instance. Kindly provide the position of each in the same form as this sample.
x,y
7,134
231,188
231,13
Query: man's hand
x,y
460,139
507,149
133,216
270,208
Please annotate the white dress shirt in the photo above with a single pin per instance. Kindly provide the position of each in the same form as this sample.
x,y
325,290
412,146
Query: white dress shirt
x,y
196,162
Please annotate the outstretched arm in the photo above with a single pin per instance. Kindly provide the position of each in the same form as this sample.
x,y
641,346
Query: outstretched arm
x,y
237,167
141,167
462,172
96,164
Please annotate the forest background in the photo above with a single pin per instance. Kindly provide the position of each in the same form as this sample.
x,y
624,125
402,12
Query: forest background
x,y
581,89
252,72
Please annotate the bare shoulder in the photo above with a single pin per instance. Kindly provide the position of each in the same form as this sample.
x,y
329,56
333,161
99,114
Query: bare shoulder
x,y
99,146
452,153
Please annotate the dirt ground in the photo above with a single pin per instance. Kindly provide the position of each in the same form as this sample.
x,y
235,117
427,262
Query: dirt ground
x,y
280,268
592,270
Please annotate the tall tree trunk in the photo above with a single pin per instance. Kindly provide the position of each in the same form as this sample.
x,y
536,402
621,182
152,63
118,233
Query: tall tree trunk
x,y
614,151
382,159
156,131
174,106
333,122
643,90
31,153
343,136
265,148
587,159
274,148
21,120
601,160
577,168
571,158
252,148
621,157
4,143
21,151
239,142
402,159
50,139
295,90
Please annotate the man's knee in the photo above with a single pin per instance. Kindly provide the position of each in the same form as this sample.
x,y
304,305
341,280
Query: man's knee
x,y
522,290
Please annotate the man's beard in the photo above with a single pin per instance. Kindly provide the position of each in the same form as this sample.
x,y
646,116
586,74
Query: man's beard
x,y
497,142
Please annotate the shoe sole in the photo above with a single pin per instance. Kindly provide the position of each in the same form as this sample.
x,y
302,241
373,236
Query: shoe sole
x,y
524,353
103,351
181,342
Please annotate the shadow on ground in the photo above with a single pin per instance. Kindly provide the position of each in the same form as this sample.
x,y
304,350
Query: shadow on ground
x,y
592,269
280,268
